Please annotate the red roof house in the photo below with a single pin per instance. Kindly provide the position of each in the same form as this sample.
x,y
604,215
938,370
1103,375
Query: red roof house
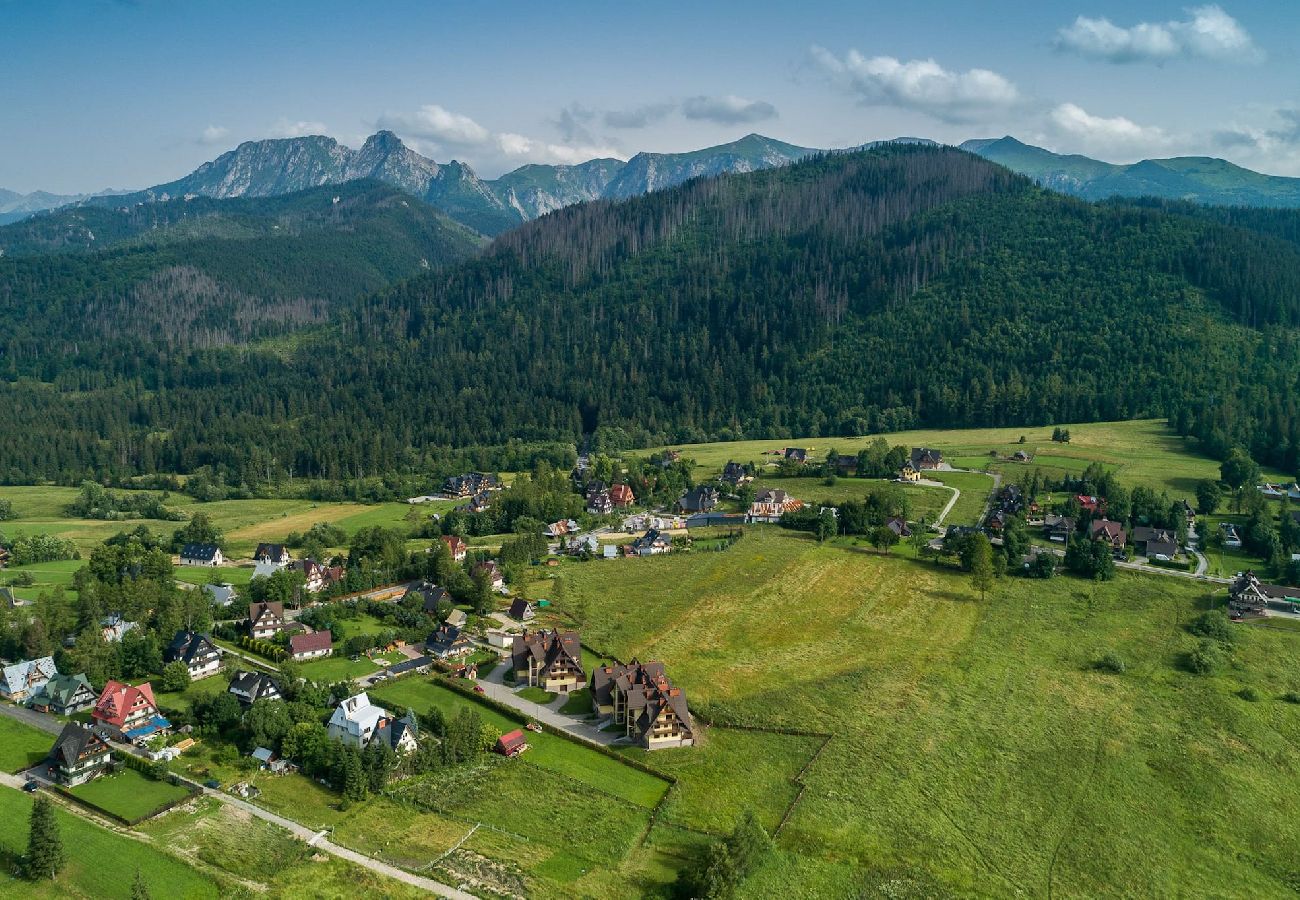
x,y
512,743
621,495
129,712
456,546
311,646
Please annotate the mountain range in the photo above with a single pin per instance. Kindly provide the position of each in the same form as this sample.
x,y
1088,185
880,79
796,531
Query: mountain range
x,y
349,330
492,206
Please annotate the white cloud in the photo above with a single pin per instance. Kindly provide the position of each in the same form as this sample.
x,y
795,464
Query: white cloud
x,y
728,109
433,122
919,84
213,134
438,132
287,128
638,116
1115,136
1209,33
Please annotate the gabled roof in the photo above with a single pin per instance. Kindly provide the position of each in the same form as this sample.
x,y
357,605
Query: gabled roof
x,y
258,611
118,699
254,686
270,551
62,689
391,731
188,646
924,456
521,609
310,643
19,675
74,742
199,551
549,649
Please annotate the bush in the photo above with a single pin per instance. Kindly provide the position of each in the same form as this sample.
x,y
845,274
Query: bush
x,y
1206,658
1111,662
1291,696
1213,625
1249,694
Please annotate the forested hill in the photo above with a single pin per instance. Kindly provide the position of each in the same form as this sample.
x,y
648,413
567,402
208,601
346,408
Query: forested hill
x,y
896,287
205,272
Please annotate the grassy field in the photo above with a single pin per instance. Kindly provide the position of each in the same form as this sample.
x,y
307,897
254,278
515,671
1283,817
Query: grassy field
x,y
22,746
1142,451
336,668
96,859
204,687
128,794
926,500
547,750
975,746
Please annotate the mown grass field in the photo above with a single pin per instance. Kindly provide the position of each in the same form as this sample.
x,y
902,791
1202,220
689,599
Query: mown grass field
x,y
96,858
926,500
547,751
22,746
976,749
128,794
1143,451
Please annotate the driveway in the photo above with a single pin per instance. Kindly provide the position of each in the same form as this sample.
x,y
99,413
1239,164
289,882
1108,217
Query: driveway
x,y
581,729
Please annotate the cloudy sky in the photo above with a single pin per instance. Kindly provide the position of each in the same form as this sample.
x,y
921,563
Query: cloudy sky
x,y
97,94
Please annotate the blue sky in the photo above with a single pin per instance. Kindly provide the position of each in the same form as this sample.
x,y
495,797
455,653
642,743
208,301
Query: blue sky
x,y
98,94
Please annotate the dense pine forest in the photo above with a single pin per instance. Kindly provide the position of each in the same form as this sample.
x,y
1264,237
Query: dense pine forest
x,y
851,293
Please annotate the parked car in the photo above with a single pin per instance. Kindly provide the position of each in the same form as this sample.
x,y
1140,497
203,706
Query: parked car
x,y
478,689
30,787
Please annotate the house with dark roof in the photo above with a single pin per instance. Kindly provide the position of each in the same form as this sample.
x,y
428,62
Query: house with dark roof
x,y
1148,541
64,695
909,472
128,712
220,594
652,543
202,555
700,498
272,554
1248,594
23,680
1111,532
113,627
316,645
522,610
898,525
551,660
736,474
78,755
401,735
200,655
489,569
924,458
419,664
447,642
1059,528
796,454
265,620
357,722
430,596
249,687
640,697
316,577
599,504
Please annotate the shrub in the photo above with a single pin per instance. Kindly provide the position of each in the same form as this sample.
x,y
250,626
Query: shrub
x,y
1206,658
1249,694
1213,625
1111,662
1291,696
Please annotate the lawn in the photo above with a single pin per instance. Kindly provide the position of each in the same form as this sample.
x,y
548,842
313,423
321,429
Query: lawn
x,y
975,746
975,489
337,668
21,745
128,794
239,576
536,695
926,500
93,853
204,687
547,751
1143,451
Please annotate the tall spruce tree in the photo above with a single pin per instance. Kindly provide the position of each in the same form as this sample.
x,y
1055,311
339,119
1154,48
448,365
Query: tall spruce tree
x,y
44,844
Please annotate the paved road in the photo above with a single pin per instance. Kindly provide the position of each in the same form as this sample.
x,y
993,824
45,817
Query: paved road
x,y
580,729
31,717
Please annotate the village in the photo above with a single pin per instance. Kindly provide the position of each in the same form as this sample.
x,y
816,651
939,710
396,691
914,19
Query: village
x,y
318,670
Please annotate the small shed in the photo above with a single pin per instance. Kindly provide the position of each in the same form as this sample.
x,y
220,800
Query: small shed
x,y
512,743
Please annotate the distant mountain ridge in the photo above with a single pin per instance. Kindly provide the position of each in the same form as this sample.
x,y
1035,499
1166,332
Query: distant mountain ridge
x,y
286,165
281,166
1199,179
